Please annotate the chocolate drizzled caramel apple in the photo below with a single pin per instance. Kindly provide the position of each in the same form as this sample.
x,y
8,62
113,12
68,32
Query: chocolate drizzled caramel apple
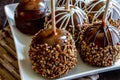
x,y
30,16
52,51
100,44
70,18
95,11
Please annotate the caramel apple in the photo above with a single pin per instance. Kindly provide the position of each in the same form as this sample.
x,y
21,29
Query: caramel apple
x,y
52,55
100,43
52,51
100,46
30,16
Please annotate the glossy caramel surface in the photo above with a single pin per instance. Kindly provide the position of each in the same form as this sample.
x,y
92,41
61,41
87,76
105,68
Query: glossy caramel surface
x,y
48,36
30,16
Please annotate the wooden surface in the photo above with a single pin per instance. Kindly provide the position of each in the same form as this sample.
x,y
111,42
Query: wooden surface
x,y
9,69
8,59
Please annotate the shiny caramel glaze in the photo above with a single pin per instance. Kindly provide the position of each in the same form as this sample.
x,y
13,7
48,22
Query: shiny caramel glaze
x,y
48,36
29,16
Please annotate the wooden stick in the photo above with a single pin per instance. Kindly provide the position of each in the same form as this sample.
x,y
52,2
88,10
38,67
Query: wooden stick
x,y
105,13
67,5
53,15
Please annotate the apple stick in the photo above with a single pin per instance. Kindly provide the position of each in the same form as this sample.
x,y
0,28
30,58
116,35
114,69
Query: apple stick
x,y
105,13
67,5
53,15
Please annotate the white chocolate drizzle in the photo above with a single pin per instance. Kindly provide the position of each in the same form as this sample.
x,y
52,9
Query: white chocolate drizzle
x,y
113,11
68,16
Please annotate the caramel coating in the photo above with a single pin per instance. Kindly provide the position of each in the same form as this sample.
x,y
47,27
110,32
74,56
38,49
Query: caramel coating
x,y
100,45
48,36
30,16
52,55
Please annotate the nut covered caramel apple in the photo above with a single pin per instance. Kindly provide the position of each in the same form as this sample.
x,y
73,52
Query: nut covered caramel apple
x,y
71,20
52,55
52,51
30,16
100,45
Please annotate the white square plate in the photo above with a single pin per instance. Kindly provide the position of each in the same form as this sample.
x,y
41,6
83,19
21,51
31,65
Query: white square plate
x,y
22,43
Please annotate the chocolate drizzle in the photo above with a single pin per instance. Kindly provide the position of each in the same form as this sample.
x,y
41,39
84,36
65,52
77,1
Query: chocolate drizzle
x,y
71,20
100,45
96,8
102,36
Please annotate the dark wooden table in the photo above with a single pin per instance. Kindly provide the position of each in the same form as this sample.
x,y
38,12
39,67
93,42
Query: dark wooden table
x,y
9,50
3,20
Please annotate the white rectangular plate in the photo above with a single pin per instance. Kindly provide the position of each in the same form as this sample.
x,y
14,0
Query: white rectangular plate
x,y
22,43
